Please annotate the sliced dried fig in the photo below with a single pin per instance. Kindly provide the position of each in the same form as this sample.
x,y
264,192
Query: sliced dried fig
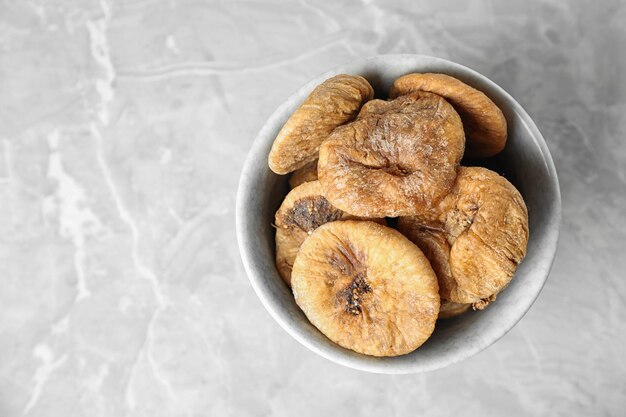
x,y
307,173
334,102
366,287
482,237
303,210
485,125
398,158
449,309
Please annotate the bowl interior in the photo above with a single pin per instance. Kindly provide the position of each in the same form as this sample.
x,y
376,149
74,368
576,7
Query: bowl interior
x,y
526,162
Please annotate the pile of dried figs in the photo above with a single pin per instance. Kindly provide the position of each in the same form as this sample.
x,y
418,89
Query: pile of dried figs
x,y
357,163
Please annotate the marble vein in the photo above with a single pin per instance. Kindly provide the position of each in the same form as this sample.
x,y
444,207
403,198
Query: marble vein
x,y
42,373
75,218
217,68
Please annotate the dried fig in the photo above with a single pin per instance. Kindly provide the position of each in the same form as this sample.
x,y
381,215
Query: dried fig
x,y
398,158
484,123
366,287
435,247
482,237
449,309
303,210
377,106
334,102
307,173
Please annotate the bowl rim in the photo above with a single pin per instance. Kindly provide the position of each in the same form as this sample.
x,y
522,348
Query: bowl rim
x,y
256,279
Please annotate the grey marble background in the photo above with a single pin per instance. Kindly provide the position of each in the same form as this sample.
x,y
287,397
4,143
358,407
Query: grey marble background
x,y
123,129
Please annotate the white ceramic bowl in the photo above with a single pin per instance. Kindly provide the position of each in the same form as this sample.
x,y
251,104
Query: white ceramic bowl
x,y
526,162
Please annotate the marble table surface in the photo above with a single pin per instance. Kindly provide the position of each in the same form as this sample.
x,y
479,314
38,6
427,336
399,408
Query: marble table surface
x,y
123,128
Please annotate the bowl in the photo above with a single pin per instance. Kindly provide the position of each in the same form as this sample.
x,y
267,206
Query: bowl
x,y
525,161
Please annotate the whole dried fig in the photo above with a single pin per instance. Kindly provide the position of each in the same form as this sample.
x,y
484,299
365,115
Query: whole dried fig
x,y
303,210
334,102
485,125
482,237
307,173
398,158
366,287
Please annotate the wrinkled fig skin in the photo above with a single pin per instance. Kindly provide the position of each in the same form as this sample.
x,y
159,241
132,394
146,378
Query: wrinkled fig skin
x,y
307,173
449,309
331,104
485,125
366,287
399,158
303,210
434,245
482,237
